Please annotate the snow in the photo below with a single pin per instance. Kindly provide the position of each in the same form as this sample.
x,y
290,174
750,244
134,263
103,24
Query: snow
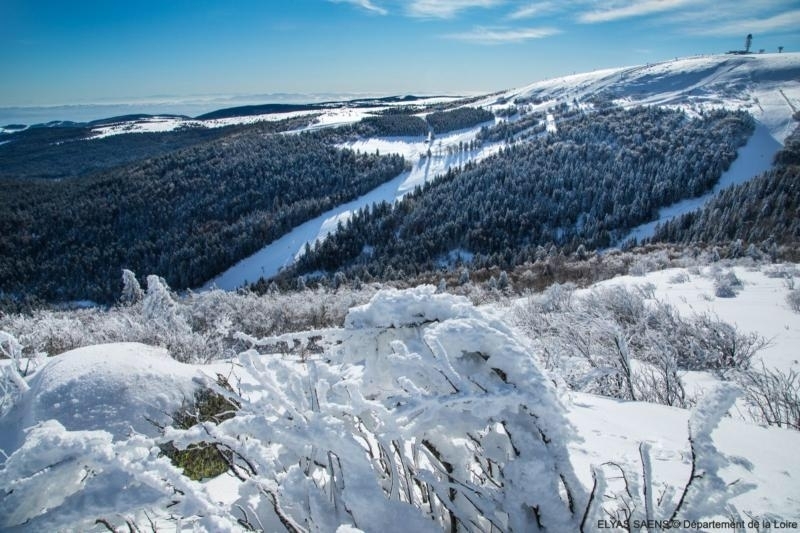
x,y
752,159
392,308
611,430
760,306
551,124
112,387
158,124
410,366
339,441
282,252
760,84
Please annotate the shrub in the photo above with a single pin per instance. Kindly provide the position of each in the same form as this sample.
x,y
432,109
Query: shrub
x,y
773,398
727,285
793,299
203,460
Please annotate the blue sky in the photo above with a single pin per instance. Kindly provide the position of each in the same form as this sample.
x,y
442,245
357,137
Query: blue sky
x,y
86,51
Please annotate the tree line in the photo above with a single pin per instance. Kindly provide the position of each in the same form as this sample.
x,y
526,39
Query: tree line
x,y
600,175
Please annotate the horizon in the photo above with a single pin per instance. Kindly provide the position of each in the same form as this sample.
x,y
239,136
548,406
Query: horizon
x,y
207,53
191,106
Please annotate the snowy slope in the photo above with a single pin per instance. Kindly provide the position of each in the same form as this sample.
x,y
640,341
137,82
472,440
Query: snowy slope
x,y
752,159
766,85
282,252
330,116
759,306
409,366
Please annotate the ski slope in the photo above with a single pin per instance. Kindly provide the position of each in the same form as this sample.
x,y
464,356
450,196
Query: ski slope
x,y
752,159
282,252
766,85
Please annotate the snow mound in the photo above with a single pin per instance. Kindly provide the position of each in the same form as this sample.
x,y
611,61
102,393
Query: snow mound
x,y
110,387
392,308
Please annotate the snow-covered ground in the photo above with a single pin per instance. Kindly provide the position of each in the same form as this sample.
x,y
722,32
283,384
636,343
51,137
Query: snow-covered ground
x,y
166,123
761,84
336,115
760,306
410,365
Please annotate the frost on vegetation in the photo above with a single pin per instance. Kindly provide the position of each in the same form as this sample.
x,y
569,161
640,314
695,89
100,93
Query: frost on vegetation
x,y
430,416
196,327
210,404
440,420
621,342
12,375
628,492
60,479
680,277
793,299
772,396
727,285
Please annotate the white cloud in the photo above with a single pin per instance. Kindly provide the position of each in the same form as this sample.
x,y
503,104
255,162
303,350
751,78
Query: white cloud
x,y
631,9
740,26
531,10
502,35
446,8
364,4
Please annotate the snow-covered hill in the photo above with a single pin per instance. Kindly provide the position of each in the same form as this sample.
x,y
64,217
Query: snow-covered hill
x,y
767,86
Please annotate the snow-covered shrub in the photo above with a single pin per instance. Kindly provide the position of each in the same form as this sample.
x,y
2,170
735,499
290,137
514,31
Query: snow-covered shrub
x,y
719,346
557,297
620,342
50,332
131,290
431,417
639,268
209,405
12,374
793,299
196,327
62,480
772,396
680,277
786,272
727,285
80,447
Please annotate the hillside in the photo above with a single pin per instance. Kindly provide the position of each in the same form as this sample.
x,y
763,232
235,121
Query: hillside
x,y
762,212
56,232
766,86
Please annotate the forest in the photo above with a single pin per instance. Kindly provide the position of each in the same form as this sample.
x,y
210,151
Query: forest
x,y
585,185
457,119
186,215
391,125
764,211
70,151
